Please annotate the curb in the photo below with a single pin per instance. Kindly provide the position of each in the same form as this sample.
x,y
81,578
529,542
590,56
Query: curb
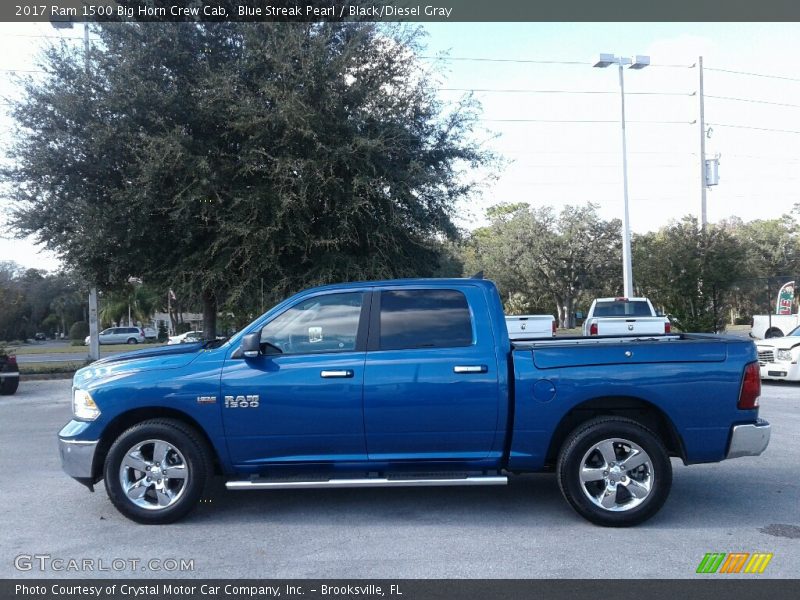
x,y
45,376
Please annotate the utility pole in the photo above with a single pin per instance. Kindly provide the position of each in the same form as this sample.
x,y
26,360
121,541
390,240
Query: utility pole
x,y
702,121
627,267
94,340
637,63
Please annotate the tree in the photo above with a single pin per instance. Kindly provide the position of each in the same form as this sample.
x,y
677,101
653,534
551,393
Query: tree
x,y
539,258
210,156
689,271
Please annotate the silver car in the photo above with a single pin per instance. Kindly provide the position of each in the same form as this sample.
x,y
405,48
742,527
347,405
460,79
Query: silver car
x,y
120,335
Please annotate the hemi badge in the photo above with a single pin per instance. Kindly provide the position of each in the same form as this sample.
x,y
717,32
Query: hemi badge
x,y
206,399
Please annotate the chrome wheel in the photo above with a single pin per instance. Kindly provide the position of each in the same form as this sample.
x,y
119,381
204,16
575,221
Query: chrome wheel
x,y
616,475
153,474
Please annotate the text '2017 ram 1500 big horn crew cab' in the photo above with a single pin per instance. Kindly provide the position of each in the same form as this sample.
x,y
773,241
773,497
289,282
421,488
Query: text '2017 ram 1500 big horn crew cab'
x,y
410,382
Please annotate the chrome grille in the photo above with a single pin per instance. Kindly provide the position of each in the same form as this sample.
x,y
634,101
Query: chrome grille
x,y
766,356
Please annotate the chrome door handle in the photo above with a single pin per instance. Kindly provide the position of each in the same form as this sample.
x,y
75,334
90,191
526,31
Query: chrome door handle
x,y
333,374
470,369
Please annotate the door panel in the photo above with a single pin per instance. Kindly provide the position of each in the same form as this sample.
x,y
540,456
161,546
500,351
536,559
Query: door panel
x,y
424,403
301,415
309,394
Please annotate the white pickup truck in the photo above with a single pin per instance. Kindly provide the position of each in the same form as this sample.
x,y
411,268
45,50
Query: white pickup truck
x,y
773,326
530,327
624,316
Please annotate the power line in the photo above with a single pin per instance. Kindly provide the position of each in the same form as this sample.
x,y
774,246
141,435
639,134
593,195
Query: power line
x,y
754,128
534,91
506,60
533,61
615,121
753,100
22,71
750,74
31,35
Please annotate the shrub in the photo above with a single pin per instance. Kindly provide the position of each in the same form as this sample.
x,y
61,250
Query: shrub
x,y
162,333
79,330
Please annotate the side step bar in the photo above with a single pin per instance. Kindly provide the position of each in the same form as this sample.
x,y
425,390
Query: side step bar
x,y
266,484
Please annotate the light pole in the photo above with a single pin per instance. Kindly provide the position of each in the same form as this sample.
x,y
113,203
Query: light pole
x,y
638,62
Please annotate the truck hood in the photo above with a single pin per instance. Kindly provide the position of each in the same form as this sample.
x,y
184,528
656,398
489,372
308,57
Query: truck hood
x,y
782,343
119,365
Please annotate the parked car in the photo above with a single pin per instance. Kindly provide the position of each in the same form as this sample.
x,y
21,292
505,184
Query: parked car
x,y
150,333
185,338
530,327
773,326
410,383
779,357
39,337
9,374
624,316
120,335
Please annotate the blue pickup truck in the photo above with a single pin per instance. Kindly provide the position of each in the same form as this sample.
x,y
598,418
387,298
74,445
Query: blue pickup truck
x,y
410,383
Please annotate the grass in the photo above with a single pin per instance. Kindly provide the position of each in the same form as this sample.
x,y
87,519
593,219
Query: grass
x,y
67,349
49,368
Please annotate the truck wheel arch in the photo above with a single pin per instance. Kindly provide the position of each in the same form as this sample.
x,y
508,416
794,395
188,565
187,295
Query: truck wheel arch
x,y
132,417
639,410
773,332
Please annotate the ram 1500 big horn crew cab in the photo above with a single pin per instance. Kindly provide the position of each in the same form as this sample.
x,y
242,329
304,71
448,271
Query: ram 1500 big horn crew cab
x,y
411,382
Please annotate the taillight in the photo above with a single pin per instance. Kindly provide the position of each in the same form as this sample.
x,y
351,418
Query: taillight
x,y
667,327
593,329
751,387
554,329
11,360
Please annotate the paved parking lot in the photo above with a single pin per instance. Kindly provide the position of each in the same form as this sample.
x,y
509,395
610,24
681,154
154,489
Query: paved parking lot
x,y
520,531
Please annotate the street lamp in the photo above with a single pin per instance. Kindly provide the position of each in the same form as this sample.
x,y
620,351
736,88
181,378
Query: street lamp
x,y
638,62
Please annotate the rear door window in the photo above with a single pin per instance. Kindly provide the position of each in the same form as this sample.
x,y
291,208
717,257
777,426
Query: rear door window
x,y
424,319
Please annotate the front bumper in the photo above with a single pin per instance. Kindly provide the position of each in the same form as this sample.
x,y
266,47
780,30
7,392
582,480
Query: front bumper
x,y
780,371
749,440
77,459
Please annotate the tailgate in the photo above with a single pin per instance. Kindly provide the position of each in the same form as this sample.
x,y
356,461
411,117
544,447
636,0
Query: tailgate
x,y
632,326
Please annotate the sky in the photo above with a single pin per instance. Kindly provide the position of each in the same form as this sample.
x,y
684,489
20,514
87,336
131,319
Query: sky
x,y
560,137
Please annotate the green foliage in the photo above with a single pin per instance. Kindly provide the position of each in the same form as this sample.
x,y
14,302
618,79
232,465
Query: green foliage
x,y
211,156
79,331
690,272
542,259
32,300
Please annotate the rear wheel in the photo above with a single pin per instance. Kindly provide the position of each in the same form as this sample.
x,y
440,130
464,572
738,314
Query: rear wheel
x,y
9,385
133,341
156,471
614,472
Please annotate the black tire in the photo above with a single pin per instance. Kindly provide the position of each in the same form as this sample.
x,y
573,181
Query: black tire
x,y
773,333
9,386
581,447
133,341
197,461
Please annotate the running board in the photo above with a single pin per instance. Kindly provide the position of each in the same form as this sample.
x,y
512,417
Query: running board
x,y
266,484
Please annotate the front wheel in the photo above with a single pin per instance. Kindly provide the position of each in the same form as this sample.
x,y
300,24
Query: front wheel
x,y
156,471
614,472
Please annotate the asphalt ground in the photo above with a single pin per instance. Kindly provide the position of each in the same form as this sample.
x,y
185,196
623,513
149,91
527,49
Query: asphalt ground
x,y
524,530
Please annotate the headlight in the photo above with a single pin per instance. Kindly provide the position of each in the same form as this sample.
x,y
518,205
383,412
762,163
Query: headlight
x,y
785,355
83,406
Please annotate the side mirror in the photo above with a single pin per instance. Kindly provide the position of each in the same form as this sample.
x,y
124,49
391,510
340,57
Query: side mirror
x,y
251,345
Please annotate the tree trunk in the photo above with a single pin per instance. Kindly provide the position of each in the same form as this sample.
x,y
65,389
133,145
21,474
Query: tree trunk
x,y
209,315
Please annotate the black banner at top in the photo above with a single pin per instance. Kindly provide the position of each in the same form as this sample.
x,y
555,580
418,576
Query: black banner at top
x,y
399,10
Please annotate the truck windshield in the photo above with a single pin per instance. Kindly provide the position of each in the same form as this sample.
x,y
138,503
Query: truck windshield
x,y
622,308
